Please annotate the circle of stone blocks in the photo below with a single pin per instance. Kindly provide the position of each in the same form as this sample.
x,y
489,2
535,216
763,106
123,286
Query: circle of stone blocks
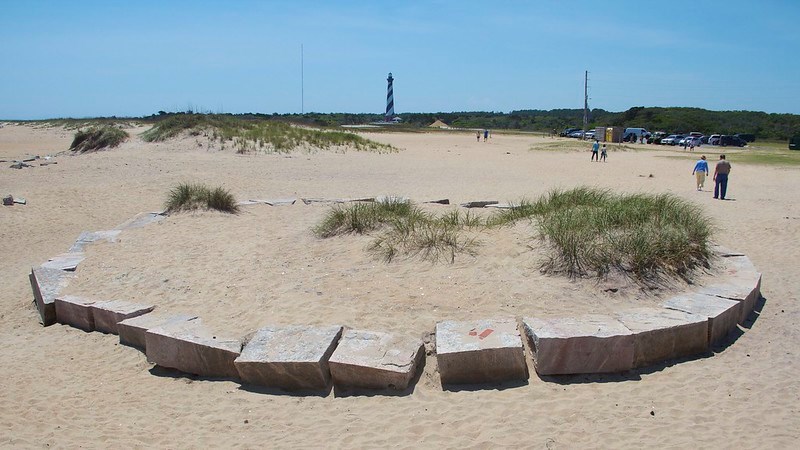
x,y
132,331
722,314
192,348
480,351
661,334
289,357
591,343
375,360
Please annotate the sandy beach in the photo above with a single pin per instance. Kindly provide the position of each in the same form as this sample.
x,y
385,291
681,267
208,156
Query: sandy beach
x,y
63,387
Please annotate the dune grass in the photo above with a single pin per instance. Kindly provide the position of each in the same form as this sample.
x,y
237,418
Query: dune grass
x,y
583,232
190,196
266,136
592,232
404,230
97,138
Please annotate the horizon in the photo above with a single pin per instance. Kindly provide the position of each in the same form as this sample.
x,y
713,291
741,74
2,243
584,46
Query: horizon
x,y
91,59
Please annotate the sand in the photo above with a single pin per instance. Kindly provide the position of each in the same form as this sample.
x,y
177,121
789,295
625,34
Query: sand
x,y
64,387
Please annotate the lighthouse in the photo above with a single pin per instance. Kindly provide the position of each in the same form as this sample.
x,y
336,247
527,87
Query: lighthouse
x,y
389,99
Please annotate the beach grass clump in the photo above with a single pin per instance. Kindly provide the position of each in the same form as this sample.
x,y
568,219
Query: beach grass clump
x,y
260,135
402,229
645,236
193,196
97,138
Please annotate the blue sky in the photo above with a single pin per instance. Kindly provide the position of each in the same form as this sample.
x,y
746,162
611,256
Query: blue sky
x,y
129,58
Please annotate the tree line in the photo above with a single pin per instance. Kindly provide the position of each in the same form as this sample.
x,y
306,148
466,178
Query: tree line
x,y
763,125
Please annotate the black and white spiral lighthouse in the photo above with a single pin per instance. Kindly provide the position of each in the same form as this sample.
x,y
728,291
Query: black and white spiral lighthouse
x,y
389,99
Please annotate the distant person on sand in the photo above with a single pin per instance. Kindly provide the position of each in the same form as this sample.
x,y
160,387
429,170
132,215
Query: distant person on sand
x,y
479,136
700,171
595,148
603,153
721,172
485,135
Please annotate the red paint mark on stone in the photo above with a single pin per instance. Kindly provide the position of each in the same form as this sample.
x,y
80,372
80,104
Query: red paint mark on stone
x,y
485,333
472,332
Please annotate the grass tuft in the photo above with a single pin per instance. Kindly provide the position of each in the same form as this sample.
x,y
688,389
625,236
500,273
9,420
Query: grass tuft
x,y
97,138
189,197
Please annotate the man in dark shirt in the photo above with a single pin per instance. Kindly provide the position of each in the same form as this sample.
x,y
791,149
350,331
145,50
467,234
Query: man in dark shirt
x,y
721,172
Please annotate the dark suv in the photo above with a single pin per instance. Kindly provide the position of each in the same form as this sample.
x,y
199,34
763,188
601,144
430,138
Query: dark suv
x,y
794,143
726,140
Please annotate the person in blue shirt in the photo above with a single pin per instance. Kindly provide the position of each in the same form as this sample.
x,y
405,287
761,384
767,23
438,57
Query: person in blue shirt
x,y
595,149
700,171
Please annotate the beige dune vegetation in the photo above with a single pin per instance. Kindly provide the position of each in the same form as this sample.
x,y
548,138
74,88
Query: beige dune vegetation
x,y
273,265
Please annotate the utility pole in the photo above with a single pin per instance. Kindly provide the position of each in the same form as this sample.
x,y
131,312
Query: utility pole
x,y
585,101
302,83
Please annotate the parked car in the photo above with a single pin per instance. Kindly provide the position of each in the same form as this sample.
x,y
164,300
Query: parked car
x,y
656,137
672,139
568,131
589,134
693,141
638,132
713,139
747,137
794,143
576,134
726,140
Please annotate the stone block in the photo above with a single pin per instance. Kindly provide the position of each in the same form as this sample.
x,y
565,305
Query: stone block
x,y
745,293
375,360
289,357
479,204
590,343
660,334
107,314
141,220
75,311
46,285
65,261
90,237
192,348
723,314
132,331
480,351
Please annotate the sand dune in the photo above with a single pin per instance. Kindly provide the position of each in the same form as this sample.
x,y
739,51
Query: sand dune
x,y
64,387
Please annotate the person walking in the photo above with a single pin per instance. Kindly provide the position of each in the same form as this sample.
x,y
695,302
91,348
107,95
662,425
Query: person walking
x,y
721,172
700,172
479,136
485,135
595,149
603,153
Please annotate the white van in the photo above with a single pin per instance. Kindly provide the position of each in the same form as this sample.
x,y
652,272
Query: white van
x,y
639,132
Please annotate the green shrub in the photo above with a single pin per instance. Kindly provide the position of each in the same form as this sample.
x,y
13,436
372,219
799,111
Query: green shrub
x,y
188,197
97,138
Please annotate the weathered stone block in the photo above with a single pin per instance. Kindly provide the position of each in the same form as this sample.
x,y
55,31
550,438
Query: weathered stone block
x,y
289,357
746,293
660,334
192,348
108,313
141,220
723,314
480,351
75,311
90,237
589,343
65,261
132,331
375,360
46,285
